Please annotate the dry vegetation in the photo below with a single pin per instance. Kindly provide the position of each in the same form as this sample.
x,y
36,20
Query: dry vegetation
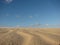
x,y
29,36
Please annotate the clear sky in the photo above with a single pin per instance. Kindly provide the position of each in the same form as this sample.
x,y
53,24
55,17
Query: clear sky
x,y
29,12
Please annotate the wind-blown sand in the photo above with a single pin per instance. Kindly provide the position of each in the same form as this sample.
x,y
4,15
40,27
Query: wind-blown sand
x,y
29,36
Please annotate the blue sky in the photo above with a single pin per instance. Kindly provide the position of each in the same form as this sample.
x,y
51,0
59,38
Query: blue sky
x,y
27,12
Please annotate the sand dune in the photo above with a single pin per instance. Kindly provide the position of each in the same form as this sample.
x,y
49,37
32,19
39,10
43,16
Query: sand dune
x,y
29,36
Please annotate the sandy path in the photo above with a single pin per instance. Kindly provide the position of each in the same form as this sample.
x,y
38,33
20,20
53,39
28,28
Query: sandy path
x,y
35,40
27,37
43,37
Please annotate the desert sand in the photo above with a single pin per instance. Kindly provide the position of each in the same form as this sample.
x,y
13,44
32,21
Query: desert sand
x,y
29,36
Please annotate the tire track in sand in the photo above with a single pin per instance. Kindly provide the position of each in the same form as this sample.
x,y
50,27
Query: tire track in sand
x,y
44,38
53,36
47,39
27,37
34,40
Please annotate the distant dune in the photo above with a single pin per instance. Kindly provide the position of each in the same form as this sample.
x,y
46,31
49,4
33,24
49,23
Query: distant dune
x,y
29,36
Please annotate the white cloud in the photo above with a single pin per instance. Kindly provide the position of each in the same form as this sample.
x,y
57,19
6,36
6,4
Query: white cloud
x,y
30,16
18,16
17,25
46,24
8,1
35,24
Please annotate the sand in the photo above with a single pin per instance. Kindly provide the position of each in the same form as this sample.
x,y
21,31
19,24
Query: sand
x,y
29,36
